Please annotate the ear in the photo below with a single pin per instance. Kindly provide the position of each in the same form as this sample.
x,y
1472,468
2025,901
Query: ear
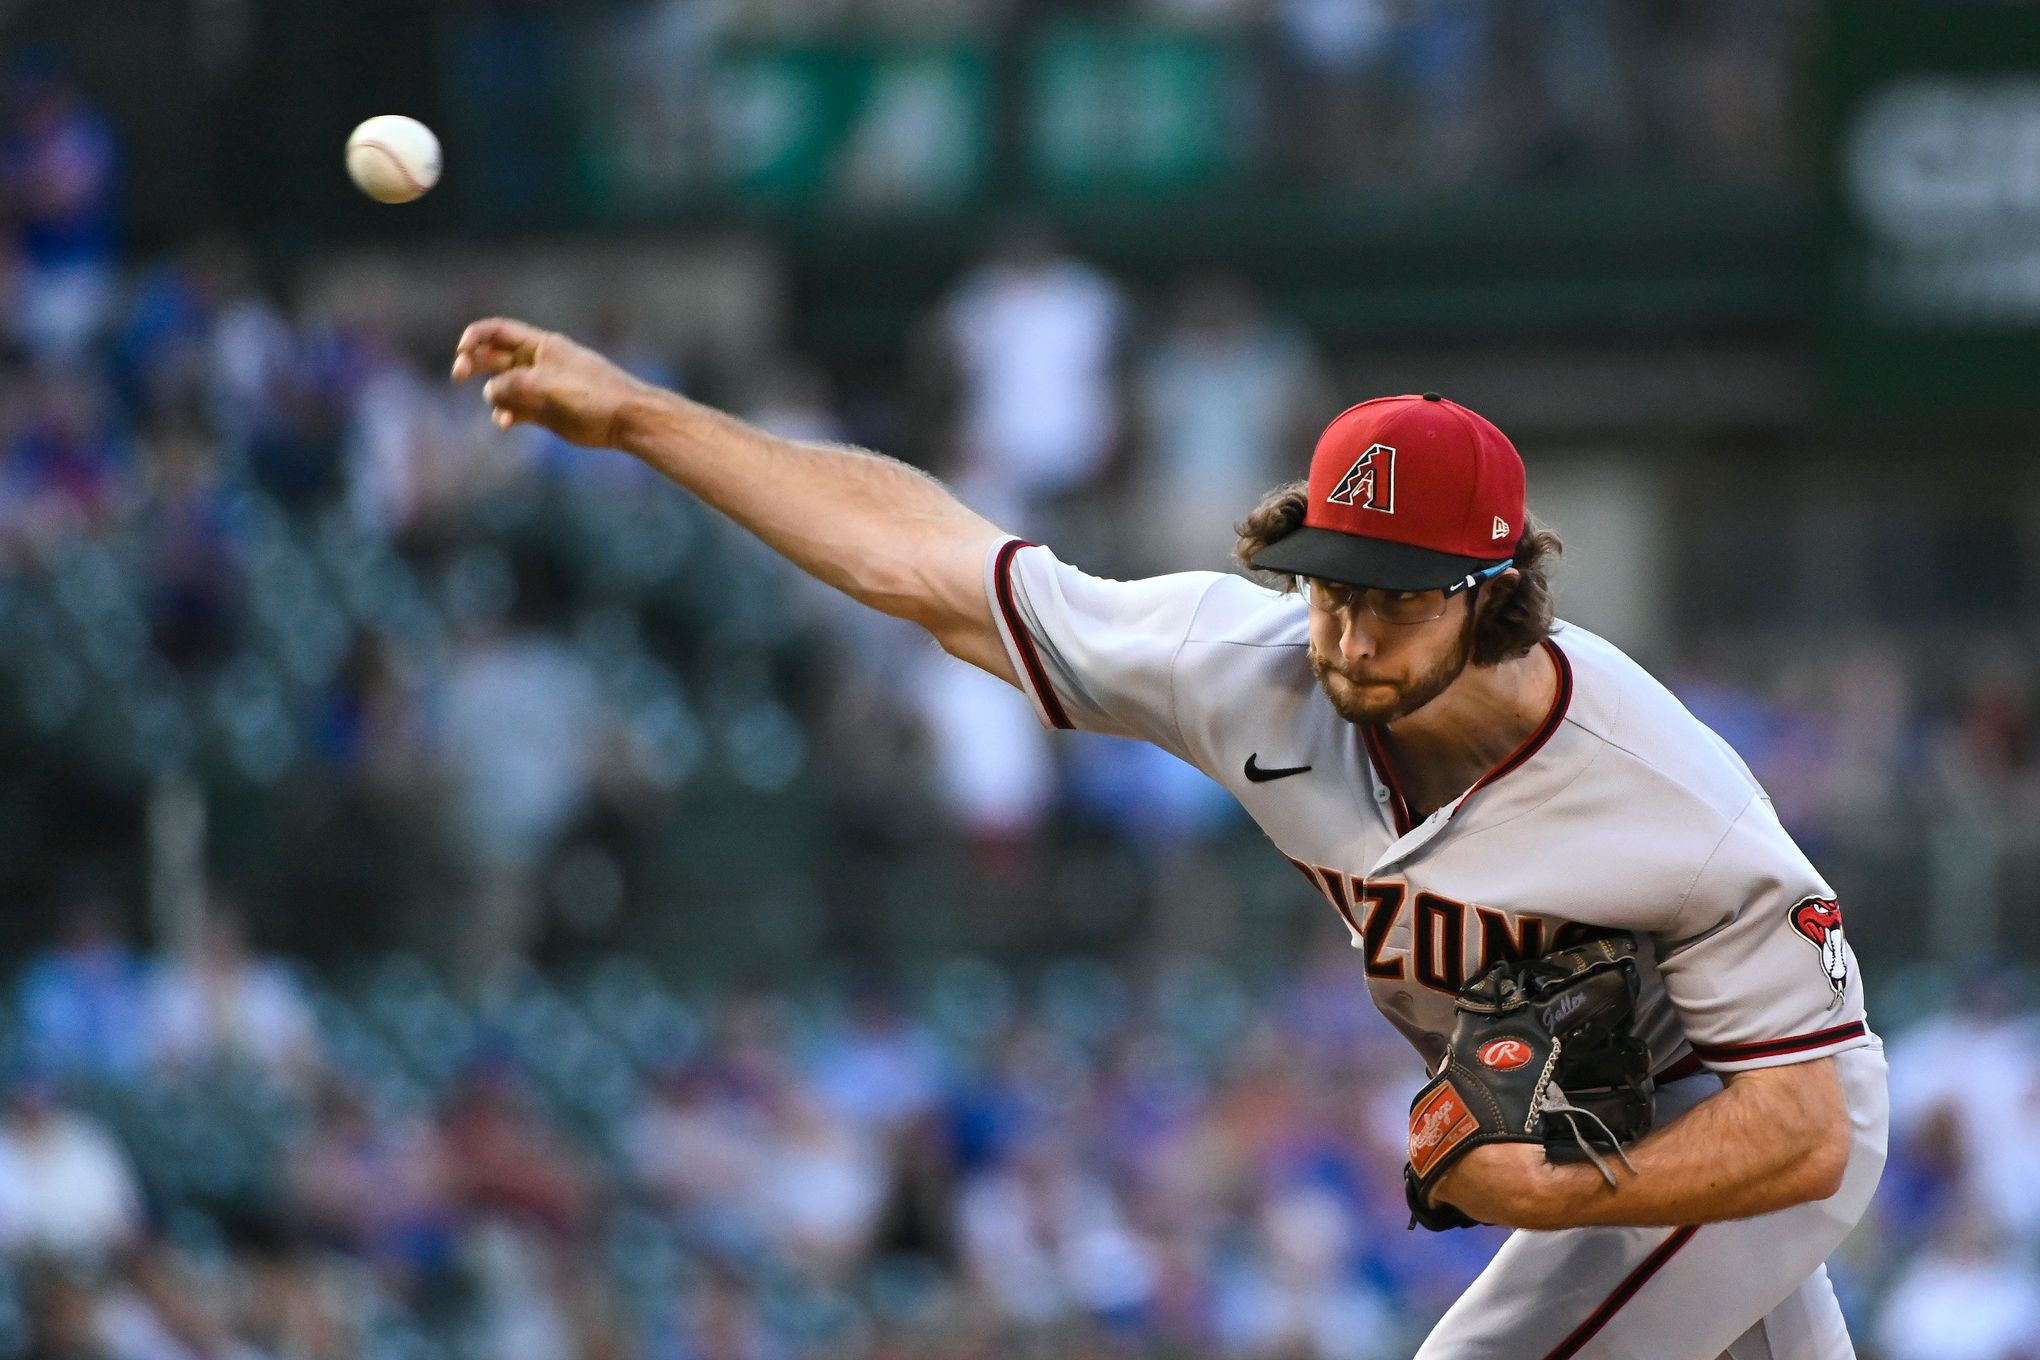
x,y
1492,594
1496,589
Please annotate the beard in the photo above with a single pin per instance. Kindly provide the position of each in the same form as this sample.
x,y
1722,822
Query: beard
x,y
1379,700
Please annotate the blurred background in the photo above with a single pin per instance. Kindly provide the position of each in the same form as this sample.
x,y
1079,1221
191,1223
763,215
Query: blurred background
x,y
462,899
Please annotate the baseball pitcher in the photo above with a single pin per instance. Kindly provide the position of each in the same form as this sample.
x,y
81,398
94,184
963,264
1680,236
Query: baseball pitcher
x,y
1645,1028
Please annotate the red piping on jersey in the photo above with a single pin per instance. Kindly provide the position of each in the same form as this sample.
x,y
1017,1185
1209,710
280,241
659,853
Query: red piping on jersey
x,y
1560,702
1776,1048
1624,1292
1023,641
1405,814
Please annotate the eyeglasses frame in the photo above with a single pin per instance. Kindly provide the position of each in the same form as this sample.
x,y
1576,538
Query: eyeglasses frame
x,y
1459,587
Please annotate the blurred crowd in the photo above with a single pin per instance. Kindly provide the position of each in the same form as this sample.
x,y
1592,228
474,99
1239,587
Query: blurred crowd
x,y
1101,1165
207,1153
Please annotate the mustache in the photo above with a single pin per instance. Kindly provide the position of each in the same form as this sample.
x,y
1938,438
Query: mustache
x,y
1322,665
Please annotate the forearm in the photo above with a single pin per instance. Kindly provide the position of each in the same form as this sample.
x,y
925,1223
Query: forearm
x,y
1767,1141
884,533
874,528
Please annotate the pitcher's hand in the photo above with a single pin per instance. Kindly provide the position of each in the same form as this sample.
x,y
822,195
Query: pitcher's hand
x,y
1503,1183
543,378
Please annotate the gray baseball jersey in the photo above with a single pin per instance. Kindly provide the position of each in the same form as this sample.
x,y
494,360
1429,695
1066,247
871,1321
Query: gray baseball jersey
x,y
1621,811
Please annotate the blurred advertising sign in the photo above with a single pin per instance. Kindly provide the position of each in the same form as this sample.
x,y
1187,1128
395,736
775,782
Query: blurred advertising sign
x,y
872,127
1935,284
1126,107
671,118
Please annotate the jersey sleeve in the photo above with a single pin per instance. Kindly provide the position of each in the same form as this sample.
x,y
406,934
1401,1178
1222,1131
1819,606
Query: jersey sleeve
x,y
1755,962
1092,654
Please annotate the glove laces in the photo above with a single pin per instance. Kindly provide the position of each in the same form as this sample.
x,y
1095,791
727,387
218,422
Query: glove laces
x,y
1559,1103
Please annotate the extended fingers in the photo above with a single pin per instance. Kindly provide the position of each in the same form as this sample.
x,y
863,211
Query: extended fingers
x,y
494,345
502,332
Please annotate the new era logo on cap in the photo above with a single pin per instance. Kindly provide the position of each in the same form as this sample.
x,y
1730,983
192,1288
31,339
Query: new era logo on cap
x,y
1501,528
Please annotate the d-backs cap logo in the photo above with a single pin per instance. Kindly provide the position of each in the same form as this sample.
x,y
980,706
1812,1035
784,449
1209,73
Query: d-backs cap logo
x,y
1370,482
1819,922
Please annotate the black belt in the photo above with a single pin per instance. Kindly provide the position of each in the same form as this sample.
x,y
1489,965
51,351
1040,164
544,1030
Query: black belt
x,y
1680,1070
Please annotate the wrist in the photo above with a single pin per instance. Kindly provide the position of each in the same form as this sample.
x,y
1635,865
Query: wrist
x,y
1560,1196
638,415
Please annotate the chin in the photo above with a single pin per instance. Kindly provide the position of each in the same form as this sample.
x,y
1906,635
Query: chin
x,y
1360,704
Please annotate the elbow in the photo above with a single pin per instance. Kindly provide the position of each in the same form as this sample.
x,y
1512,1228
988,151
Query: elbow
x,y
1813,1135
1826,1176
1825,1163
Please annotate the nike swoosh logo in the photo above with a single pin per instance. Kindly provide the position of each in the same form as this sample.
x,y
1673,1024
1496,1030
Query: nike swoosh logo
x,y
1257,775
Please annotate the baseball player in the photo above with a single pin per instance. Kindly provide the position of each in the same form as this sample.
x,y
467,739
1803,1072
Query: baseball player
x,y
1466,782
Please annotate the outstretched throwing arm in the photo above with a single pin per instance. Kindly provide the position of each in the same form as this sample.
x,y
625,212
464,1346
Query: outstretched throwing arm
x,y
885,534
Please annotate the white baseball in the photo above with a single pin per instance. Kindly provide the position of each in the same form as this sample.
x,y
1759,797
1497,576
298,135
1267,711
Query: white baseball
x,y
393,158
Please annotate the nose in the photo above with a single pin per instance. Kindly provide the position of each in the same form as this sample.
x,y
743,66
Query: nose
x,y
1356,638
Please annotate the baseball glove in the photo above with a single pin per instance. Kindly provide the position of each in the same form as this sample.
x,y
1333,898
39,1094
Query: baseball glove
x,y
1542,1051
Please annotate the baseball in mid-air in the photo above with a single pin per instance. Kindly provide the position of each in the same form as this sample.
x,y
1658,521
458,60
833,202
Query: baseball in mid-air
x,y
392,158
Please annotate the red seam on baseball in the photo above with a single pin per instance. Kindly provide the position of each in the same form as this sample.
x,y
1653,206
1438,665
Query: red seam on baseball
x,y
397,161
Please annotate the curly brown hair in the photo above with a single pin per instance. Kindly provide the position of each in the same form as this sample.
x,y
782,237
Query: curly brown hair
x,y
1515,607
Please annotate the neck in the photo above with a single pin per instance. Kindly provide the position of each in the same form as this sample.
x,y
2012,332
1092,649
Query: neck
x,y
1481,719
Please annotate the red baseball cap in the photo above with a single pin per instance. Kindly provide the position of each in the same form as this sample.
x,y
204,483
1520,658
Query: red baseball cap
x,y
1406,493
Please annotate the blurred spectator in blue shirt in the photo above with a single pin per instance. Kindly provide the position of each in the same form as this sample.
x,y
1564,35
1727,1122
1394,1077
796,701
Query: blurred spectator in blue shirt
x,y
164,353
60,172
882,1070
81,999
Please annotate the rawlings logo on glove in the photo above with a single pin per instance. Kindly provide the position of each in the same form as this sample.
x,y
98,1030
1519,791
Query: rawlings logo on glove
x,y
1505,1055
1541,1052
1439,1123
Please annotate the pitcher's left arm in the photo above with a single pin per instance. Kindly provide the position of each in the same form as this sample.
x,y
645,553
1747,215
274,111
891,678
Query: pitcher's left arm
x,y
1772,1138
